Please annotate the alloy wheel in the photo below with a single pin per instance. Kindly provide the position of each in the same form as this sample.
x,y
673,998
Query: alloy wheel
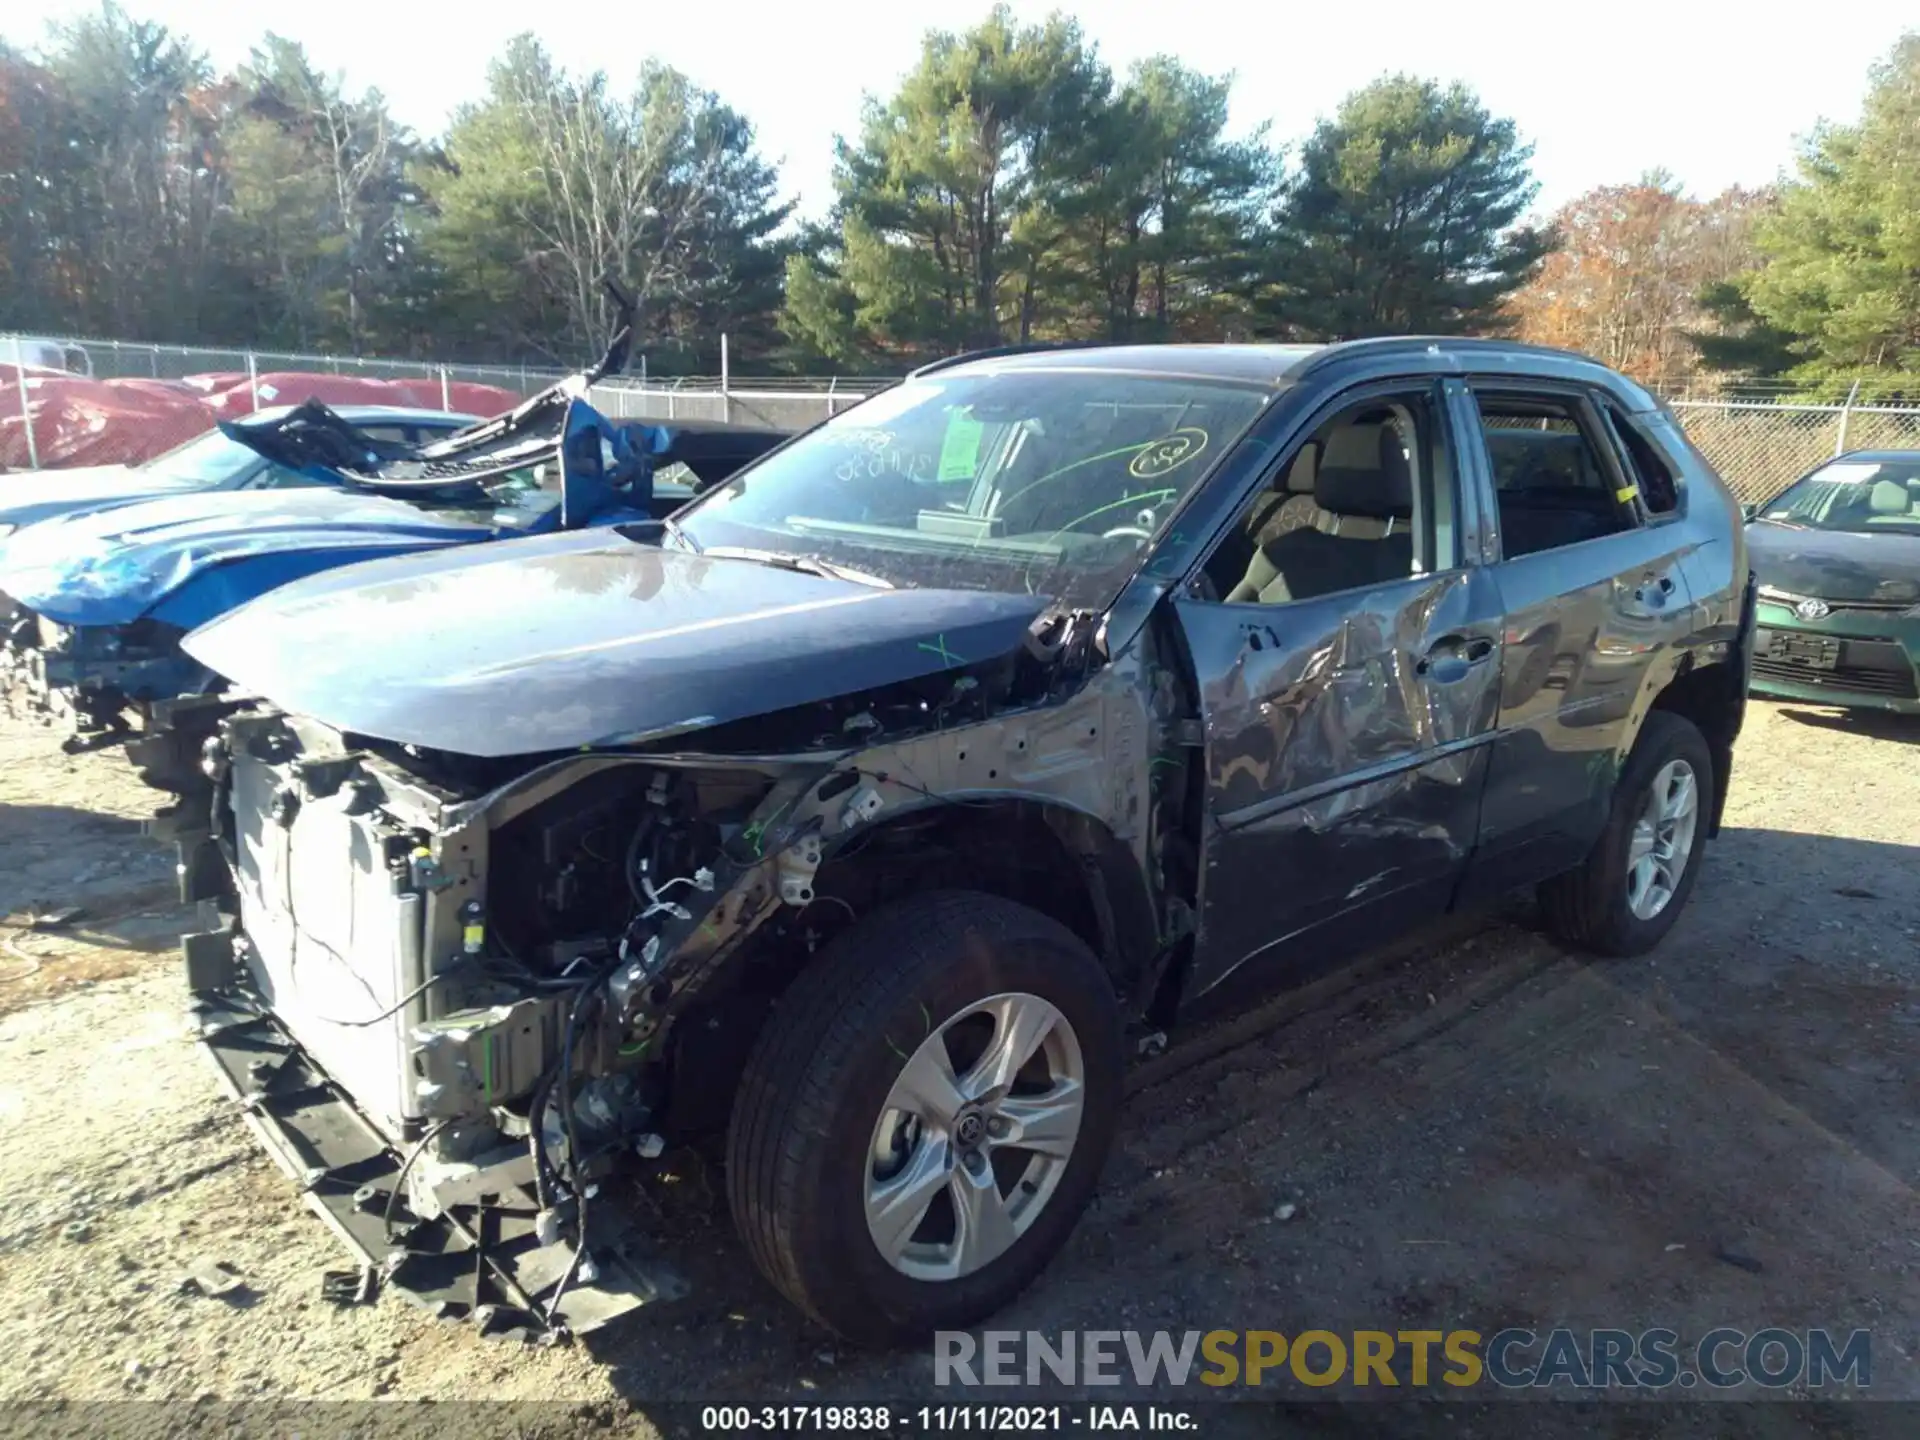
x,y
1662,839
974,1137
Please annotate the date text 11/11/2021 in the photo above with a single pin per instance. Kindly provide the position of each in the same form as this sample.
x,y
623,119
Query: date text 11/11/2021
x,y
938,1419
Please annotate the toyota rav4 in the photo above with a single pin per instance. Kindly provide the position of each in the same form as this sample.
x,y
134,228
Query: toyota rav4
x,y
870,814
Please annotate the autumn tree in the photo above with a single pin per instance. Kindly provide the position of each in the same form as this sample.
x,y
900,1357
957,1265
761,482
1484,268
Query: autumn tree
x,y
1626,282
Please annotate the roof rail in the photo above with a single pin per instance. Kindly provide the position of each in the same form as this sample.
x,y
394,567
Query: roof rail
x,y
1453,344
995,352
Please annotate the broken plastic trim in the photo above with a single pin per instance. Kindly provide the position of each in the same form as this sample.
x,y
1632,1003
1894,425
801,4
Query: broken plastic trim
x,y
480,1262
313,440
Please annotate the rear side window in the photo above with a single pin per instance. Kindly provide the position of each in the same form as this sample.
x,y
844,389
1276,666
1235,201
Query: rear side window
x,y
1551,479
1649,470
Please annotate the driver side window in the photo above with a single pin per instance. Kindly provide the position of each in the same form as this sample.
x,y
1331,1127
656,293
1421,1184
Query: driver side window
x,y
1366,500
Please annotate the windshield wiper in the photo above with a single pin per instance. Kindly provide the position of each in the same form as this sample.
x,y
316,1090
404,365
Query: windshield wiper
x,y
804,564
681,537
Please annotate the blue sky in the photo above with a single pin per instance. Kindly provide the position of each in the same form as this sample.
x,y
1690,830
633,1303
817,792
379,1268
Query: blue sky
x,y
1715,93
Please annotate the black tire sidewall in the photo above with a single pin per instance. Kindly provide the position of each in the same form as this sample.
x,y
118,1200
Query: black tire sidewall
x,y
858,1291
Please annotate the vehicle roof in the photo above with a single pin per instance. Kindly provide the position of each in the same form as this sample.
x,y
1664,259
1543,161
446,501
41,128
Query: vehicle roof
x,y
1278,365
1261,364
1895,454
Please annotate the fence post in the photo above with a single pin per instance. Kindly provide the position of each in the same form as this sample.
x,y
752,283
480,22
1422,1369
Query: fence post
x,y
26,405
446,399
153,361
833,383
726,400
253,378
1846,415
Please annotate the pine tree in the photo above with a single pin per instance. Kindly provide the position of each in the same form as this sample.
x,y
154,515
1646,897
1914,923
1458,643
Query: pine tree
x,y
1402,216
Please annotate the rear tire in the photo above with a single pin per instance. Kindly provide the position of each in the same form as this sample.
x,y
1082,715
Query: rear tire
x,y
1624,897
830,1147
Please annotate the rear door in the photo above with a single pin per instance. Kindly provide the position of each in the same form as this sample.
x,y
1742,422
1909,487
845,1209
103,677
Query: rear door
x,y
1347,673
1591,579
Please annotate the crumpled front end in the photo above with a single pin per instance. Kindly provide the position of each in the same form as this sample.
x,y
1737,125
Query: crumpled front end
x,y
96,682
25,639
459,995
393,981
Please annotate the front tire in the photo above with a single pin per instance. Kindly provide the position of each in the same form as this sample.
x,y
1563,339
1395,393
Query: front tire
x,y
1628,892
925,1116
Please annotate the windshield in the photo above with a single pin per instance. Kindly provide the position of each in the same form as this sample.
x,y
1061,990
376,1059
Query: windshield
x,y
516,500
1037,482
204,461
1863,496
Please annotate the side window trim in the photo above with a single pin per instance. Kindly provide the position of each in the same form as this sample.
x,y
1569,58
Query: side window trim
x,y
1302,432
1578,397
1619,425
1478,519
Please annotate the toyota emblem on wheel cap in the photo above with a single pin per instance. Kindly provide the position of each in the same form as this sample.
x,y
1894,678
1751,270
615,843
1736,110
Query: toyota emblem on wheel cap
x,y
1812,609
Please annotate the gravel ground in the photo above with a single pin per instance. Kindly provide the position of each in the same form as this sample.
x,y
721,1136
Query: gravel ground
x,y
1482,1132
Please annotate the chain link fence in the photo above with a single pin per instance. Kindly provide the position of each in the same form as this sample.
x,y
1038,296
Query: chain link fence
x,y
67,403
780,404
1759,438
1761,447
139,360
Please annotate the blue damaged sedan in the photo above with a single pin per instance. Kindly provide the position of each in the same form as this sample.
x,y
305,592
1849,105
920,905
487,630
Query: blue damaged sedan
x,y
94,603
209,463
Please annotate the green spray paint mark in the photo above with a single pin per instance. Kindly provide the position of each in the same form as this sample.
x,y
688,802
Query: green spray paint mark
x,y
939,647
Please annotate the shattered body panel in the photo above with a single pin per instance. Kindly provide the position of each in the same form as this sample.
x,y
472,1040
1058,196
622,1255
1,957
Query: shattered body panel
x,y
112,567
208,462
521,888
116,587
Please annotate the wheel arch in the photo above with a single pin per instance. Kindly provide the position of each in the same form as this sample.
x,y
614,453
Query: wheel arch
x,y
1707,686
1045,854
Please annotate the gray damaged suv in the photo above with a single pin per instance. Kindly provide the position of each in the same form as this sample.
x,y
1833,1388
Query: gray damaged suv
x,y
872,812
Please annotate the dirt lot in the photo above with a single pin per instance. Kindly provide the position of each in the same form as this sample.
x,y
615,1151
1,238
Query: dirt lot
x,y
1488,1132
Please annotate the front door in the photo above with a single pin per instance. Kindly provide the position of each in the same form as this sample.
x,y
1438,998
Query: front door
x,y
1348,668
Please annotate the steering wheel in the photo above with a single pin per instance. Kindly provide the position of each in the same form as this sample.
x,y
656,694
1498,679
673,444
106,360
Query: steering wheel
x,y
1133,531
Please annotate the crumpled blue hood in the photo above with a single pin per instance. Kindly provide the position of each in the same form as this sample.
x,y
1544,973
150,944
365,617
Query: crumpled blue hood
x,y
111,566
37,495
